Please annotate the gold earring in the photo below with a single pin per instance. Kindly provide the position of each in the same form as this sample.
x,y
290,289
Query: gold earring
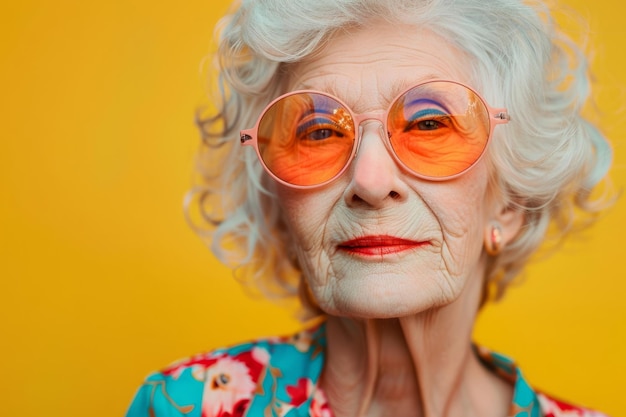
x,y
493,239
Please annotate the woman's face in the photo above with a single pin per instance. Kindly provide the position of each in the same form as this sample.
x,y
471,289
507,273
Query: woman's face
x,y
377,241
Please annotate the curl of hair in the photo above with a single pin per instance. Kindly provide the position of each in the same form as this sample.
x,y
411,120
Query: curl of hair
x,y
546,161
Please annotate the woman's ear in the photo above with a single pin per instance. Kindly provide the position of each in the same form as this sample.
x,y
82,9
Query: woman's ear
x,y
512,219
503,226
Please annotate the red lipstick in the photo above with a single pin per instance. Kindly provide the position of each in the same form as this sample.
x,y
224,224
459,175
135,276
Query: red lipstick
x,y
378,245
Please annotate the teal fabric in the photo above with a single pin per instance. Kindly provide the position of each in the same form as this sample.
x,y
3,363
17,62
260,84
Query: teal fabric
x,y
278,377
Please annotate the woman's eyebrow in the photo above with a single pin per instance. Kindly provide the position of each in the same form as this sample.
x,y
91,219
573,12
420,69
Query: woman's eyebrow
x,y
400,86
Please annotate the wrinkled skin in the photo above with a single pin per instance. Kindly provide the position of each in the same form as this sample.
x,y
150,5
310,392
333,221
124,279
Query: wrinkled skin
x,y
400,320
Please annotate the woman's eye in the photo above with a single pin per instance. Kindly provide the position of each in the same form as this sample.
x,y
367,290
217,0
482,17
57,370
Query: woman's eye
x,y
320,134
428,119
428,124
318,129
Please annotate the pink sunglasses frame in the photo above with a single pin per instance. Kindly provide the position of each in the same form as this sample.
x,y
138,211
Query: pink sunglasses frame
x,y
497,115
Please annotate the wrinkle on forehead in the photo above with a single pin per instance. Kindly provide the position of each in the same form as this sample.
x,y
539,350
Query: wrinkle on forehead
x,y
373,68
386,96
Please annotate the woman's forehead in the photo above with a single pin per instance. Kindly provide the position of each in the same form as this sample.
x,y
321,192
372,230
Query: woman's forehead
x,y
376,64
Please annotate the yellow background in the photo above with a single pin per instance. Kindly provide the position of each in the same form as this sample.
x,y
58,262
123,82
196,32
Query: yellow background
x,y
101,280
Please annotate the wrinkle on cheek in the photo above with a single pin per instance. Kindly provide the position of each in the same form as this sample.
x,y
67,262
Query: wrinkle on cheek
x,y
451,262
347,226
306,218
460,217
315,265
448,291
392,221
321,277
460,245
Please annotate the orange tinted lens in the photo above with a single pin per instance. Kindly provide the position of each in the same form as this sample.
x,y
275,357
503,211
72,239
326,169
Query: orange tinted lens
x,y
439,129
306,138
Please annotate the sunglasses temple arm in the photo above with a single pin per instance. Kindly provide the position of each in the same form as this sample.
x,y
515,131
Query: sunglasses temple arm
x,y
499,116
247,137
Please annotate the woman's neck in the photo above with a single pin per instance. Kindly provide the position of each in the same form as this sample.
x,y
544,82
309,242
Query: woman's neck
x,y
421,365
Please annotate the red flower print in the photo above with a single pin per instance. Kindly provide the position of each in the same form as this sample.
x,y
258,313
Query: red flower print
x,y
298,393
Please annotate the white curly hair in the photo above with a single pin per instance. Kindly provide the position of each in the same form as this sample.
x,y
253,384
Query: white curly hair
x,y
547,164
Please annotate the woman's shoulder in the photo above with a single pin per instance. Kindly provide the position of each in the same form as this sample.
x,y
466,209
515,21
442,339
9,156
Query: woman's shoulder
x,y
553,407
223,381
527,400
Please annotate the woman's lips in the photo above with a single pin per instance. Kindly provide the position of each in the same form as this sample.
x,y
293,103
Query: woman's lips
x,y
379,245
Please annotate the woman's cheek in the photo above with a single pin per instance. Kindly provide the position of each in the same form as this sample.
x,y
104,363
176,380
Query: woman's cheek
x,y
306,216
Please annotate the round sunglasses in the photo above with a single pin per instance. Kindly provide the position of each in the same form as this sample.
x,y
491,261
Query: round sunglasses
x,y
437,130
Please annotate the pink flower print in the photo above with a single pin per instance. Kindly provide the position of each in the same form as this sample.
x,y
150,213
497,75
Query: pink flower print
x,y
319,405
260,355
228,388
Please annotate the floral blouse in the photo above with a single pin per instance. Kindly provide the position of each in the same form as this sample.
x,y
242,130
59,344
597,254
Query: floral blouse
x,y
278,377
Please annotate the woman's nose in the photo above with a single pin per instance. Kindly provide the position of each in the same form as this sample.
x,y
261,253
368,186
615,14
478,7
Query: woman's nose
x,y
376,177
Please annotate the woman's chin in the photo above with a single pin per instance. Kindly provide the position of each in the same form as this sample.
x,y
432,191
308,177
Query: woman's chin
x,y
385,301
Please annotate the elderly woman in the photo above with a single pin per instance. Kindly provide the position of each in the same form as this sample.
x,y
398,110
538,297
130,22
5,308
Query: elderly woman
x,y
402,160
